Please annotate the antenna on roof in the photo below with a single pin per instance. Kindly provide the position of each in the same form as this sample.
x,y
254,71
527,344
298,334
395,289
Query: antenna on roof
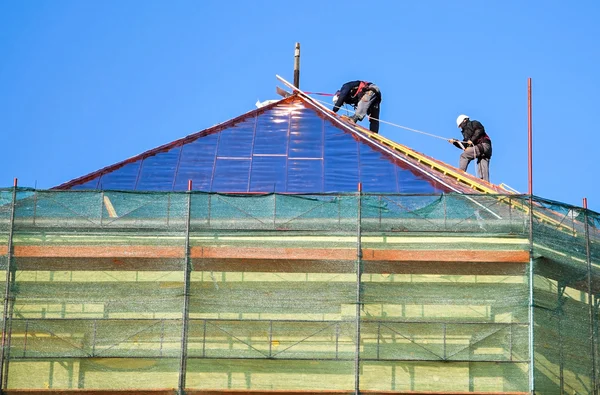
x,y
297,66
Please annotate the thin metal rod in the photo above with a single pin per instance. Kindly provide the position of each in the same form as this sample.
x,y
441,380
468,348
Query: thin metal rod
x,y
530,136
101,207
11,309
162,336
25,341
531,301
204,339
94,334
8,283
561,364
590,296
530,183
358,298
270,338
186,297
337,340
297,66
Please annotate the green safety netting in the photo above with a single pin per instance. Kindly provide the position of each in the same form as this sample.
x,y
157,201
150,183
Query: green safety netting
x,y
102,297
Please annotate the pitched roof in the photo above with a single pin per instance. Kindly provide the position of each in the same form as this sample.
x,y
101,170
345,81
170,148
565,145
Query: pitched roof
x,y
295,145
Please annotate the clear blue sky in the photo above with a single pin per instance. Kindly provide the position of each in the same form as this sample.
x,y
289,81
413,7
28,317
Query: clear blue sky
x,y
85,84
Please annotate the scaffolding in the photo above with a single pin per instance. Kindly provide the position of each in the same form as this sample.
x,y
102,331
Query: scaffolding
x,y
324,293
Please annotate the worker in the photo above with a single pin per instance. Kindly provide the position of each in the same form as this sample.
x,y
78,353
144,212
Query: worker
x,y
476,144
365,97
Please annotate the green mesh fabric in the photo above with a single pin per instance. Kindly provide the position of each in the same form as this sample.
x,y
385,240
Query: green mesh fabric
x,y
99,296
565,334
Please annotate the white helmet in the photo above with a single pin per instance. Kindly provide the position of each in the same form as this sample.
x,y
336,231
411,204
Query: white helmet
x,y
461,118
336,96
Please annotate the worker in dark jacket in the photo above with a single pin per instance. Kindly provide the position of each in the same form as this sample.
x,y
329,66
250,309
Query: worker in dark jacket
x,y
476,144
365,97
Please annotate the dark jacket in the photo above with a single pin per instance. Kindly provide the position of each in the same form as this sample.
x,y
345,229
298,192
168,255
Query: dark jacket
x,y
349,93
475,132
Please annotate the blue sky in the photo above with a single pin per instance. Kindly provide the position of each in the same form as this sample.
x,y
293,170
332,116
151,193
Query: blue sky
x,y
86,84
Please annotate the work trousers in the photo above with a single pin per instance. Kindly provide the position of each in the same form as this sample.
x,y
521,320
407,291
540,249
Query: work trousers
x,y
369,105
482,152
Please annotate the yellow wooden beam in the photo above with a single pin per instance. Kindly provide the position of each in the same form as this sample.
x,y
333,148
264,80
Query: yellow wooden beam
x,y
110,208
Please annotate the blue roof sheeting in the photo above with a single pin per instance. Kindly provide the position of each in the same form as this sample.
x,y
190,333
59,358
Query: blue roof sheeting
x,y
288,147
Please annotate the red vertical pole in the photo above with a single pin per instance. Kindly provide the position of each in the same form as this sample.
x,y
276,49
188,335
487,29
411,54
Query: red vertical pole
x,y
531,271
15,182
585,203
530,137
189,185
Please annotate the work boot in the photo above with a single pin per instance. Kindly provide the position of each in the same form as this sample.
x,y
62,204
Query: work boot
x,y
348,119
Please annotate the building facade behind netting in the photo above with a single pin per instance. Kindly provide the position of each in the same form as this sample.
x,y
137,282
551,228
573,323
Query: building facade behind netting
x,y
274,274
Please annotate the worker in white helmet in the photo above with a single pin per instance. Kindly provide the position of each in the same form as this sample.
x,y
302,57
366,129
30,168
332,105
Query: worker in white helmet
x,y
476,144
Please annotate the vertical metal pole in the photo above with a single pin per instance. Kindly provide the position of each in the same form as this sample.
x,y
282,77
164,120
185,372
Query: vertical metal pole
x,y
204,339
101,207
510,343
561,363
9,280
590,296
297,66
35,194
162,336
358,298
531,305
378,337
337,340
25,341
270,338
530,136
444,340
95,334
186,297
444,198
274,211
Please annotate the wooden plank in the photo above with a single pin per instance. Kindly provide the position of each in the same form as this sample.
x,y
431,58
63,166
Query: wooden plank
x,y
445,256
100,251
265,259
272,253
246,392
88,392
109,207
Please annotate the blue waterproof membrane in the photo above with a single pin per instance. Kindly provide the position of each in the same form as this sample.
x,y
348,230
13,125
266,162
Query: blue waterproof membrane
x,y
288,148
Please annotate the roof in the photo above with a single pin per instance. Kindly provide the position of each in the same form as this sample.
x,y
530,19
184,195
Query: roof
x,y
295,145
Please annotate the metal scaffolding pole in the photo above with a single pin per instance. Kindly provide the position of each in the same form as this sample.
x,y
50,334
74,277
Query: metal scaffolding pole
x,y
358,293
186,297
9,281
531,305
590,296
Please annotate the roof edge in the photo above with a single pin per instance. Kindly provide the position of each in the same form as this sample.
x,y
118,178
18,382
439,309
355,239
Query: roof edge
x,y
175,143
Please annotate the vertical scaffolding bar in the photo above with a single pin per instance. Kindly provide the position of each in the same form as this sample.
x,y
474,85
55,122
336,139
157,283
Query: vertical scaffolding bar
x,y
531,306
590,296
9,281
560,291
358,298
186,296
